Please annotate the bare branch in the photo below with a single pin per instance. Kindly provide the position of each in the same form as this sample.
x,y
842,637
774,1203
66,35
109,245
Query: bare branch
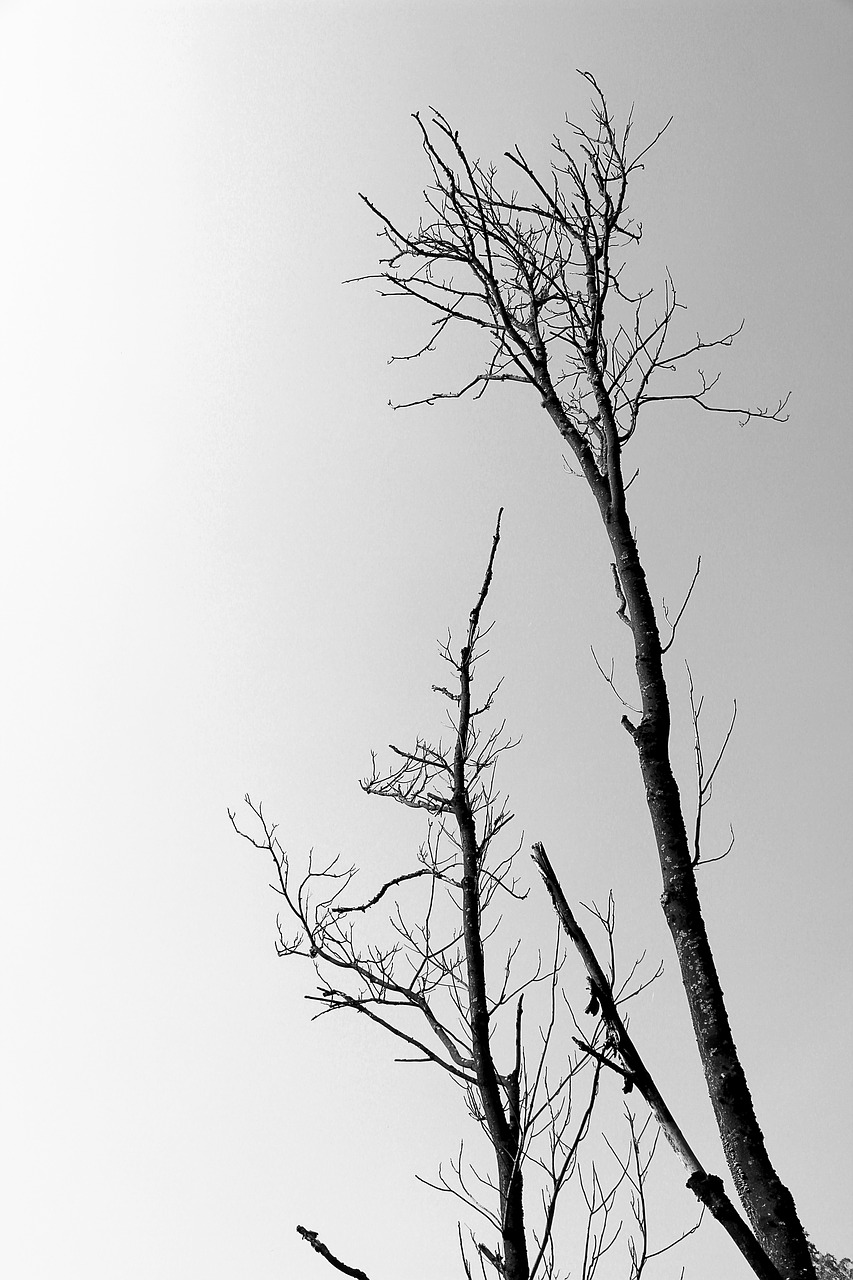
x,y
390,884
317,1245
608,679
706,1187
674,625
705,781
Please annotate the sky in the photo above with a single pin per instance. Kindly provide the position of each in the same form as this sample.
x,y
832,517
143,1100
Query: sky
x,y
226,562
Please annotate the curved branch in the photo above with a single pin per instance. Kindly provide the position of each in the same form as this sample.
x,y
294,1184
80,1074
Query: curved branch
x,y
317,1245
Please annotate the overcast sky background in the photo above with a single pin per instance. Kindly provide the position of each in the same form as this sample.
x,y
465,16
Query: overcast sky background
x,y
226,562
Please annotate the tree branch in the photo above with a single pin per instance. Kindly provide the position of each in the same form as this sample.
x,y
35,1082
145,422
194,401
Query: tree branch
x,y
317,1245
634,1070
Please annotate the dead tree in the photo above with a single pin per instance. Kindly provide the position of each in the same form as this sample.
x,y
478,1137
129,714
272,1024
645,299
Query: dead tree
x,y
541,275
433,974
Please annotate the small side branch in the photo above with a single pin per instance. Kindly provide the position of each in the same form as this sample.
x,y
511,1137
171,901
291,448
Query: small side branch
x,y
474,620
674,625
607,1062
324,1252
408,875
760,413
705,779
608,679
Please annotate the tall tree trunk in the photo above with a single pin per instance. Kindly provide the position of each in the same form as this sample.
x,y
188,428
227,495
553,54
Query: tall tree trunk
x,y
767,1202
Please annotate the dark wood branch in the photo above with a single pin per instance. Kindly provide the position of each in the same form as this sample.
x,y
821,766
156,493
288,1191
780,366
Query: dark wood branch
x,y
342,1000
391,884
607,1061
317,1245
503,1129
765,414
474,618
635,1072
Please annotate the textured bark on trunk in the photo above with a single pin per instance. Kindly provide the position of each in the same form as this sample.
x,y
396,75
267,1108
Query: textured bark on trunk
x,y
767,1202
707,1188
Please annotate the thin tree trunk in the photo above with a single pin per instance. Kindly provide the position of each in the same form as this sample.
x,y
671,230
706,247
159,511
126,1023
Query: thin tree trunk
x,y
503,1128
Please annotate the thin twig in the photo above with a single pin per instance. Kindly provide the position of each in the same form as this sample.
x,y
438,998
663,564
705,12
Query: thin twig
x,y
673,625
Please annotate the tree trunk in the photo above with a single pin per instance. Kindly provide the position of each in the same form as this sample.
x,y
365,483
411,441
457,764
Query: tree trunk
x,y
503,1129
767,1202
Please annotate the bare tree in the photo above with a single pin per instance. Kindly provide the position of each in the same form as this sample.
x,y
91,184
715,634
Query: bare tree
x,y
437,972
541,276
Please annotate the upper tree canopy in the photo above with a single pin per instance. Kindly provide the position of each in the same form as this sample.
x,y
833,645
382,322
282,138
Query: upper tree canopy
x,y
539,269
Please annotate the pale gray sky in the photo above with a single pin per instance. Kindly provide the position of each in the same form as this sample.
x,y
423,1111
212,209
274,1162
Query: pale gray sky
x,y
226,561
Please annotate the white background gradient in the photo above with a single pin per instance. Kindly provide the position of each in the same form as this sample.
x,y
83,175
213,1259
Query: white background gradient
x,y
225,563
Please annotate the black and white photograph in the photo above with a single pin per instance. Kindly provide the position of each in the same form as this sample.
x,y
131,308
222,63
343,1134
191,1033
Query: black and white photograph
x,y
427,713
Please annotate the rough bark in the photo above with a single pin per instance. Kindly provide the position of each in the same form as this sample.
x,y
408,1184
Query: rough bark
x,y
766,1200
707,1188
